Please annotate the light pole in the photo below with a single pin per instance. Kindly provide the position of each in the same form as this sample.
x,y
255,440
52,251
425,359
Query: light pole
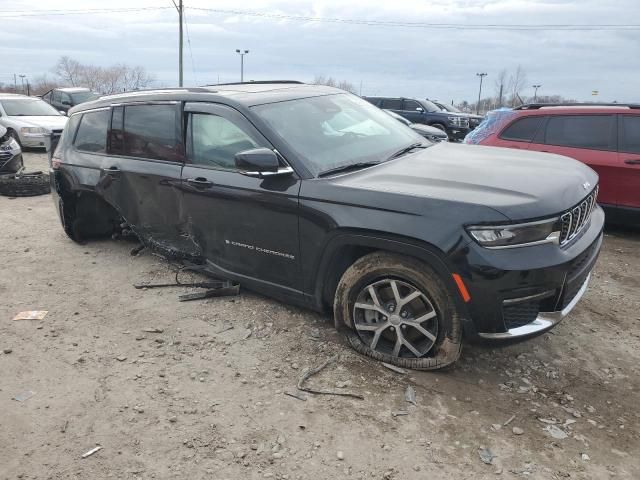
x,y
535,92
242,53
22,77
481,75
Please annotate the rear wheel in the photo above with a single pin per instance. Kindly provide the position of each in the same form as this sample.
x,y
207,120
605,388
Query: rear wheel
x,y
439,126
399,311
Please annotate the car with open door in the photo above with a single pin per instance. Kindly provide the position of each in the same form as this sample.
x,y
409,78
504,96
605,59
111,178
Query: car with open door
x,y
313,196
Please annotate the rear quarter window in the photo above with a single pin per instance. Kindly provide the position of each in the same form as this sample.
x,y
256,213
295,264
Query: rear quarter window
x,y
92,132
630,133
523,129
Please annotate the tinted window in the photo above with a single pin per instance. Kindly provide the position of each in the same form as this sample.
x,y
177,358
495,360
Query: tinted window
x,y
92,133
65,98
215,141
630,133
412,105
522,130
152,131
392,103
581,131
70,130
116,133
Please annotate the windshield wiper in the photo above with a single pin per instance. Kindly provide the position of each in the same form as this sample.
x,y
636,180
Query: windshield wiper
x,y
344,168
408,149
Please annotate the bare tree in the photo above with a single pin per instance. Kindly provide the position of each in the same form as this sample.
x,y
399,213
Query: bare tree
x,y
517,82
113,79
331,82
42,84
500,84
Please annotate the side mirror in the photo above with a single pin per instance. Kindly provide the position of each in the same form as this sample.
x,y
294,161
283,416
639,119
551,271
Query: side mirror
x,y
63,112
420,109
260,162
66,103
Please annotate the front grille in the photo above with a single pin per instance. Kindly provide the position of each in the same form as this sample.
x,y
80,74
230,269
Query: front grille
x,y
576,218
5,155
520,314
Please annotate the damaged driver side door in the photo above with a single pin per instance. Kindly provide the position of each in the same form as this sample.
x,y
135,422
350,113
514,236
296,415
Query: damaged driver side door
x,y
247,227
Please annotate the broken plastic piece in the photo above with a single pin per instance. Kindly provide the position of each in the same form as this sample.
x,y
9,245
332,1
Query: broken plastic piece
x,y
31,315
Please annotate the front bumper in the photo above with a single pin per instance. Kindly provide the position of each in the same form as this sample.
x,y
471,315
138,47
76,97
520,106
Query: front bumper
x,y
33,140
523,292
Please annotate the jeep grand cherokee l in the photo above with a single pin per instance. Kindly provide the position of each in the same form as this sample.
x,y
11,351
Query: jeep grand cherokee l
x,y
312,195
604,136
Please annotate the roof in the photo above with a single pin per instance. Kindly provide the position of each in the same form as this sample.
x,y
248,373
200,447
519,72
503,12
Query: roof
x,y
242,94
8,96
578,106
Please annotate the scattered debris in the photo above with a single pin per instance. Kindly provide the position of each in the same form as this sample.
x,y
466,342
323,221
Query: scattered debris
x,y
91,452
31,315
399,413
340,455
585,457
511,419
486,455
555,432
226,328
121,358
297,395
215,288
311,372
410,395
7,351
135,251
153,330
517,431
63,429
24,396
394,368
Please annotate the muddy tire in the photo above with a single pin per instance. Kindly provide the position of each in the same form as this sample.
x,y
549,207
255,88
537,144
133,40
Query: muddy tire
x,y
25,185
397,309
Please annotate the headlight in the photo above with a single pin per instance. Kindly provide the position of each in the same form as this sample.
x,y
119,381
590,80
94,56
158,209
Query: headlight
x,y
507,236
33,130
13,144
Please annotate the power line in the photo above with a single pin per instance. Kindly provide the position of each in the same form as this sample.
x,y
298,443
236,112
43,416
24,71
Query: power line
x,y
350,21
459,26
47,13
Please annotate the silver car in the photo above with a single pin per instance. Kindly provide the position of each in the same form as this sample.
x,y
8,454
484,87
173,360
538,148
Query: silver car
x,y
29,120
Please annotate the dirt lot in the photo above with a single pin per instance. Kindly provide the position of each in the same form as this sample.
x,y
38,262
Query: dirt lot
x,y
205,397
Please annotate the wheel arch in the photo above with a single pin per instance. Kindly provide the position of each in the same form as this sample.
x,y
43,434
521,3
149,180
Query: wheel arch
x,y
345,247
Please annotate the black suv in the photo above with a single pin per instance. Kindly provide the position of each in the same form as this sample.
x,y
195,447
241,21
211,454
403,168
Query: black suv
x,y
312,195
426,112
64,98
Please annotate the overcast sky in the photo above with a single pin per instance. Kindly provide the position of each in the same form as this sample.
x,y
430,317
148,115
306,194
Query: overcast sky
x,y
402,61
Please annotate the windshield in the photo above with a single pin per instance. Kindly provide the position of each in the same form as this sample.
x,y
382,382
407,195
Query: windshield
x,y
430,106
449,108
333,131
81,97
28,107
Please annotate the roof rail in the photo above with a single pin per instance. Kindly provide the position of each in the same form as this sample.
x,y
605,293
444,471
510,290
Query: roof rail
x,y
536,106
257,82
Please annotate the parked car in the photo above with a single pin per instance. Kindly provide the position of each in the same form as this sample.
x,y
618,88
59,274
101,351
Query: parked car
x,y
430,133
474,120
309,194
10,153
425,112
65,98
605,137
29,120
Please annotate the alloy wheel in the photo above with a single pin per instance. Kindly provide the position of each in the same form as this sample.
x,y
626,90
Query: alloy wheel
x,y
396,318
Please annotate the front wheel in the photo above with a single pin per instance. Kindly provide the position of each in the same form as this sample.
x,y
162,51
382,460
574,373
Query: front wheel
x,y
398,310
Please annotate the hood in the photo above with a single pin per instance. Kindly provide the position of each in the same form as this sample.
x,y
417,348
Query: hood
x,y
50,122
429,130
521,185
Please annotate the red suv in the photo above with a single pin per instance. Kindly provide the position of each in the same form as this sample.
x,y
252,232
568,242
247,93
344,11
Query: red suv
x,y
605,137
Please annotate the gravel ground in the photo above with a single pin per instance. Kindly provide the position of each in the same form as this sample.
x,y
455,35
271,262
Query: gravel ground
x,y
198,389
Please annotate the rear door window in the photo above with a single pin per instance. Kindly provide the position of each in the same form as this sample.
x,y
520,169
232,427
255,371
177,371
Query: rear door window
x,y
522,130
630,133
392,103
153,131
92,132
594,132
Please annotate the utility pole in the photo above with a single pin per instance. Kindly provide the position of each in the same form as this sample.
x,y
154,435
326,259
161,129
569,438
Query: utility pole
x,y
535,93
180,8
15,83
500,96
481,75
242,53
28,88
22,82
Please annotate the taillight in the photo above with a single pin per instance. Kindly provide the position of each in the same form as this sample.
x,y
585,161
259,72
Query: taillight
x,y
56,160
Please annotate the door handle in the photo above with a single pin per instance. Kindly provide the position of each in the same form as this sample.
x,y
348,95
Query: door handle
x,y
200,182
113,171
632,161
